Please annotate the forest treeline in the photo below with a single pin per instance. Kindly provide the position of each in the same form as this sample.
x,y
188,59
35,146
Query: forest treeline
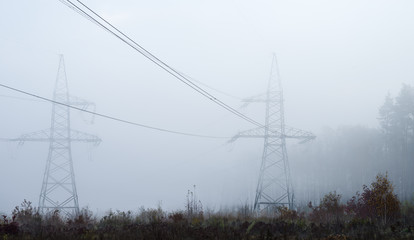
x,y
350,156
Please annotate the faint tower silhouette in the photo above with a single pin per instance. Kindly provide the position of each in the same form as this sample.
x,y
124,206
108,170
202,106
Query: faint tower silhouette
x,y
58,187
274,187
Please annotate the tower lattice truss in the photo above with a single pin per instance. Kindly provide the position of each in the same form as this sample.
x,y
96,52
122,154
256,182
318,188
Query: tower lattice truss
x,y
58,190
274,187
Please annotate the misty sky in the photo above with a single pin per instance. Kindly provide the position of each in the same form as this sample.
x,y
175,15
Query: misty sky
x,y
337,60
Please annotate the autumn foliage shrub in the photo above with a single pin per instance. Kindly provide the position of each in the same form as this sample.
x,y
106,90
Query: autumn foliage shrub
x,y
377,202
288,215
8,226
330,209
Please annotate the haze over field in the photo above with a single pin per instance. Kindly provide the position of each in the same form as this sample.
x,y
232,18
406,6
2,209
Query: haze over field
x,y
338,60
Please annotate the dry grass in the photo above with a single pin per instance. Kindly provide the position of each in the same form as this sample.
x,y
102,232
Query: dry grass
x,y
26,223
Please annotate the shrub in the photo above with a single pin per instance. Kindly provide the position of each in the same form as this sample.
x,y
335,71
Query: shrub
x,y
377,202
83,222
151,215
8,226
329,210
27,217
285,214
177,217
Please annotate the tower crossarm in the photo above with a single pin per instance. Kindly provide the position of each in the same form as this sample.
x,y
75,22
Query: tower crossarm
x,y
77,136
38,136
290,132
254,99
295,133
255,133
82,103
44,136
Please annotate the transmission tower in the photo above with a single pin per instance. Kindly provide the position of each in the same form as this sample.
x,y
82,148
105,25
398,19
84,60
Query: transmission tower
x,y
58,187
274,187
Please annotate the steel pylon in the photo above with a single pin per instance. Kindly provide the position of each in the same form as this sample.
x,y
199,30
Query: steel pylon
x,y
274,187
58,190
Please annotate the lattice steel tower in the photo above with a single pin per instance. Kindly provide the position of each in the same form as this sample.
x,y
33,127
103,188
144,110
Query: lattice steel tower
x,y
274,187
58,187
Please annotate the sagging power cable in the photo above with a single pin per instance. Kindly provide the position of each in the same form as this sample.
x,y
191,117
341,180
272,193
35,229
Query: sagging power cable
x,y
108,116
94,17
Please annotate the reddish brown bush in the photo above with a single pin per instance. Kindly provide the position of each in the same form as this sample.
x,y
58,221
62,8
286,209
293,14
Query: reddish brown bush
x,y
329,210
377,202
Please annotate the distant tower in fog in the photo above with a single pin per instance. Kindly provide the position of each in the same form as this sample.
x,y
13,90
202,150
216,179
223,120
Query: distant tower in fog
x,y
274,187
58,188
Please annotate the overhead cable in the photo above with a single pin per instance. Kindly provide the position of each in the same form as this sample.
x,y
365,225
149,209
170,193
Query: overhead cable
x,y
108,116
91,15
210,87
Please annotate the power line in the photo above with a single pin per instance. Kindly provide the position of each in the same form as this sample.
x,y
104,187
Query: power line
x,y
108,116
20,98
210,87
127,40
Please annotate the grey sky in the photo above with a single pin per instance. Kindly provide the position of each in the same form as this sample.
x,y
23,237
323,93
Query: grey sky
x,y
338,60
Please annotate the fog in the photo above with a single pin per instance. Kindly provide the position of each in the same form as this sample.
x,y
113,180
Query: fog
x,y
338,60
